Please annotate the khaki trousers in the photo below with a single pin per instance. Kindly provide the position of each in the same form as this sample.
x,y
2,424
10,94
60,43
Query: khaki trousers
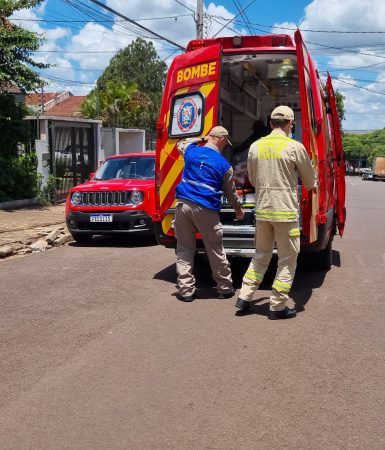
x,y
189,218
287,237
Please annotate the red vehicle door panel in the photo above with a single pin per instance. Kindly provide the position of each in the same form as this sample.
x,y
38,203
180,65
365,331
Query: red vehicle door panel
x,y
340,165
190,108
310,199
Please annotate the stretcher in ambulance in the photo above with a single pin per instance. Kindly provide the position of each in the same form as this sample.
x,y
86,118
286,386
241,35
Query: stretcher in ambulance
x,y
236,82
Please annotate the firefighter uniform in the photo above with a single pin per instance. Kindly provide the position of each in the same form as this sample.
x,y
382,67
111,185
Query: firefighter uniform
x,y
207,175
274,164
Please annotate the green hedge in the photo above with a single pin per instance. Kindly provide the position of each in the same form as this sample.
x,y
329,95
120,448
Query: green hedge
x,y
18,177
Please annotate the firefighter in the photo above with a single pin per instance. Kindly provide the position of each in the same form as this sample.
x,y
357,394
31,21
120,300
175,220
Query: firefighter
x,y
206,176
274,164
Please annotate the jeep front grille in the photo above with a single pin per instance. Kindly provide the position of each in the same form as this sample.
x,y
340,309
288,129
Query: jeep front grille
x,y
105,198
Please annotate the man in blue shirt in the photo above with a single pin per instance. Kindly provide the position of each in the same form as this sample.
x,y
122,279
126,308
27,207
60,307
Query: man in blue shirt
x,y
207,175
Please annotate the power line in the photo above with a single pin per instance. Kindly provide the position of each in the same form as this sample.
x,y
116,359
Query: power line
x,y
359,87
352,68
84,51
96,2
190,9
231,20
345,50
362,80
98,21
239,8
80,70
302,29
226,26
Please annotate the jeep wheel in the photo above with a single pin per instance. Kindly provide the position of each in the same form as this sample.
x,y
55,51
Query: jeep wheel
x,y
82,238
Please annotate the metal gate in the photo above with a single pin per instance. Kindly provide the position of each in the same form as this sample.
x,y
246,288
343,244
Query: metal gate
x,y
72,154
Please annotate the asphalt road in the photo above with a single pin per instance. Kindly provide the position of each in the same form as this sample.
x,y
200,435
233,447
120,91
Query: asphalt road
x,y
97,353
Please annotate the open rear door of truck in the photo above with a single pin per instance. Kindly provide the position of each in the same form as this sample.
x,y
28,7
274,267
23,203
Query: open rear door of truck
x,y
189,109
310,209
339,157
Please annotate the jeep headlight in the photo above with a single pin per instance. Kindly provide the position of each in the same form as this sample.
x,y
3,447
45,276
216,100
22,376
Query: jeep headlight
x,y
136,197
76,198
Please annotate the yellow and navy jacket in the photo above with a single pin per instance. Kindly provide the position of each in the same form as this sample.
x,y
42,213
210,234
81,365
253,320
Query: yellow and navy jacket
x,y
274,164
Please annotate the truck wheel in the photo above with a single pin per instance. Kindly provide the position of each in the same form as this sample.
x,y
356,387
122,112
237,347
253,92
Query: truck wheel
x,y
324,258
82,238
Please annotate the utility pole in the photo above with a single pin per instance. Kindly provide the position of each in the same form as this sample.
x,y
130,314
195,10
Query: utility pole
x,y
42,99
199,19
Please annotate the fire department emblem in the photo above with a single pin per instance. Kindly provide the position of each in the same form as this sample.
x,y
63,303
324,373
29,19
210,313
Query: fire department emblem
x,y
187,115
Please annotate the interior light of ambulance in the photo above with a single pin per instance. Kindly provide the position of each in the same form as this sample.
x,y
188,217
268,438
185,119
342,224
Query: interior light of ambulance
x,y
274,61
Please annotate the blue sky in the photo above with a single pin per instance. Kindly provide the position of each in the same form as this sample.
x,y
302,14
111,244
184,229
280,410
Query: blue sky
x,y
81,38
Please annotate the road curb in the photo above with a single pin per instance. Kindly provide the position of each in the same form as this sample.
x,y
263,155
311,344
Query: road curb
x,y
20,203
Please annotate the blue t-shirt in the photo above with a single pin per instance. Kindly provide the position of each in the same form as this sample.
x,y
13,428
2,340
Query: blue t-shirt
x,y
202,177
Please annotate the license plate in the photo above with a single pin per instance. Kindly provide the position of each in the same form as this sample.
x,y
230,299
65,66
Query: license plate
x,y
101,218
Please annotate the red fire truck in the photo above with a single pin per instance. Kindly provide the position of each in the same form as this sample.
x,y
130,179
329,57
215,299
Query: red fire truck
x,y
235,82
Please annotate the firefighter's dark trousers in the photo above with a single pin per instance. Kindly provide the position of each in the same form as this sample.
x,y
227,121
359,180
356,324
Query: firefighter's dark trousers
x,y
287,237
189,218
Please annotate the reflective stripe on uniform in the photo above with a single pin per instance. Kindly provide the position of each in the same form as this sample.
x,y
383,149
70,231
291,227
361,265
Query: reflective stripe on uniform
x,y
294,232
281,287
253,275
270,214
271,147
269,153
197,183
276,138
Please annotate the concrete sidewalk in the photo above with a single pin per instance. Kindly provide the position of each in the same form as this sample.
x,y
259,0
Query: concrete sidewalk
x,y
21,227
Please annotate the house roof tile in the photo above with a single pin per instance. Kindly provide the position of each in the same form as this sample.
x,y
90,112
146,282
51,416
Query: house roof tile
x,y
36,99
70,107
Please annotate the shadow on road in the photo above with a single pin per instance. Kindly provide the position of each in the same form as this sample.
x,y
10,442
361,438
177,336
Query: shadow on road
x,y
122,241
307,279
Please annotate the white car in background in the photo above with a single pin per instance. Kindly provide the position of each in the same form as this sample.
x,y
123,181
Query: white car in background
x,y
367,174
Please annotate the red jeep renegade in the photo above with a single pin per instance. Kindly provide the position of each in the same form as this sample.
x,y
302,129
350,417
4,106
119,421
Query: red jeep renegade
x,y
119,198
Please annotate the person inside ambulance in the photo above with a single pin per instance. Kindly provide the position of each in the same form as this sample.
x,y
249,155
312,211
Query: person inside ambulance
x,y
258,130
206,176
274,164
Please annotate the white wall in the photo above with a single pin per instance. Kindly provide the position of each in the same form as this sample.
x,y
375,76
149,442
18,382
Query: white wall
x,y
130,141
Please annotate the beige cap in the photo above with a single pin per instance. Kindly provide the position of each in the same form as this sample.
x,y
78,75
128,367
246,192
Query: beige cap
x,y
220,132
282,113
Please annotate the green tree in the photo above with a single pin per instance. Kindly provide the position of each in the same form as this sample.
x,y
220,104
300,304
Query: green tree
x,y
340,106
364,146
13,128
118,105
136,65
17,44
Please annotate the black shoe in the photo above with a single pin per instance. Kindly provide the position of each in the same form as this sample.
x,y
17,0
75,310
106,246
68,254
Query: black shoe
x,y
185,298
243,305
228,294
286,313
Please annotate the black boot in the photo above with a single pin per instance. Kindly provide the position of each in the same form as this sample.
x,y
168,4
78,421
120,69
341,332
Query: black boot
x,y
243,305
286,313
228,294
185,298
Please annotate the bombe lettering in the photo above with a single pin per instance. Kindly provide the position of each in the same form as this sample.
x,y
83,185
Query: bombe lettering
x,y
203,70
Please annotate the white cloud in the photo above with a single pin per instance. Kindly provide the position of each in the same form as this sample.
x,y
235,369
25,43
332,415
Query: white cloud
x,y
28,19
95,38
330,15
361,50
